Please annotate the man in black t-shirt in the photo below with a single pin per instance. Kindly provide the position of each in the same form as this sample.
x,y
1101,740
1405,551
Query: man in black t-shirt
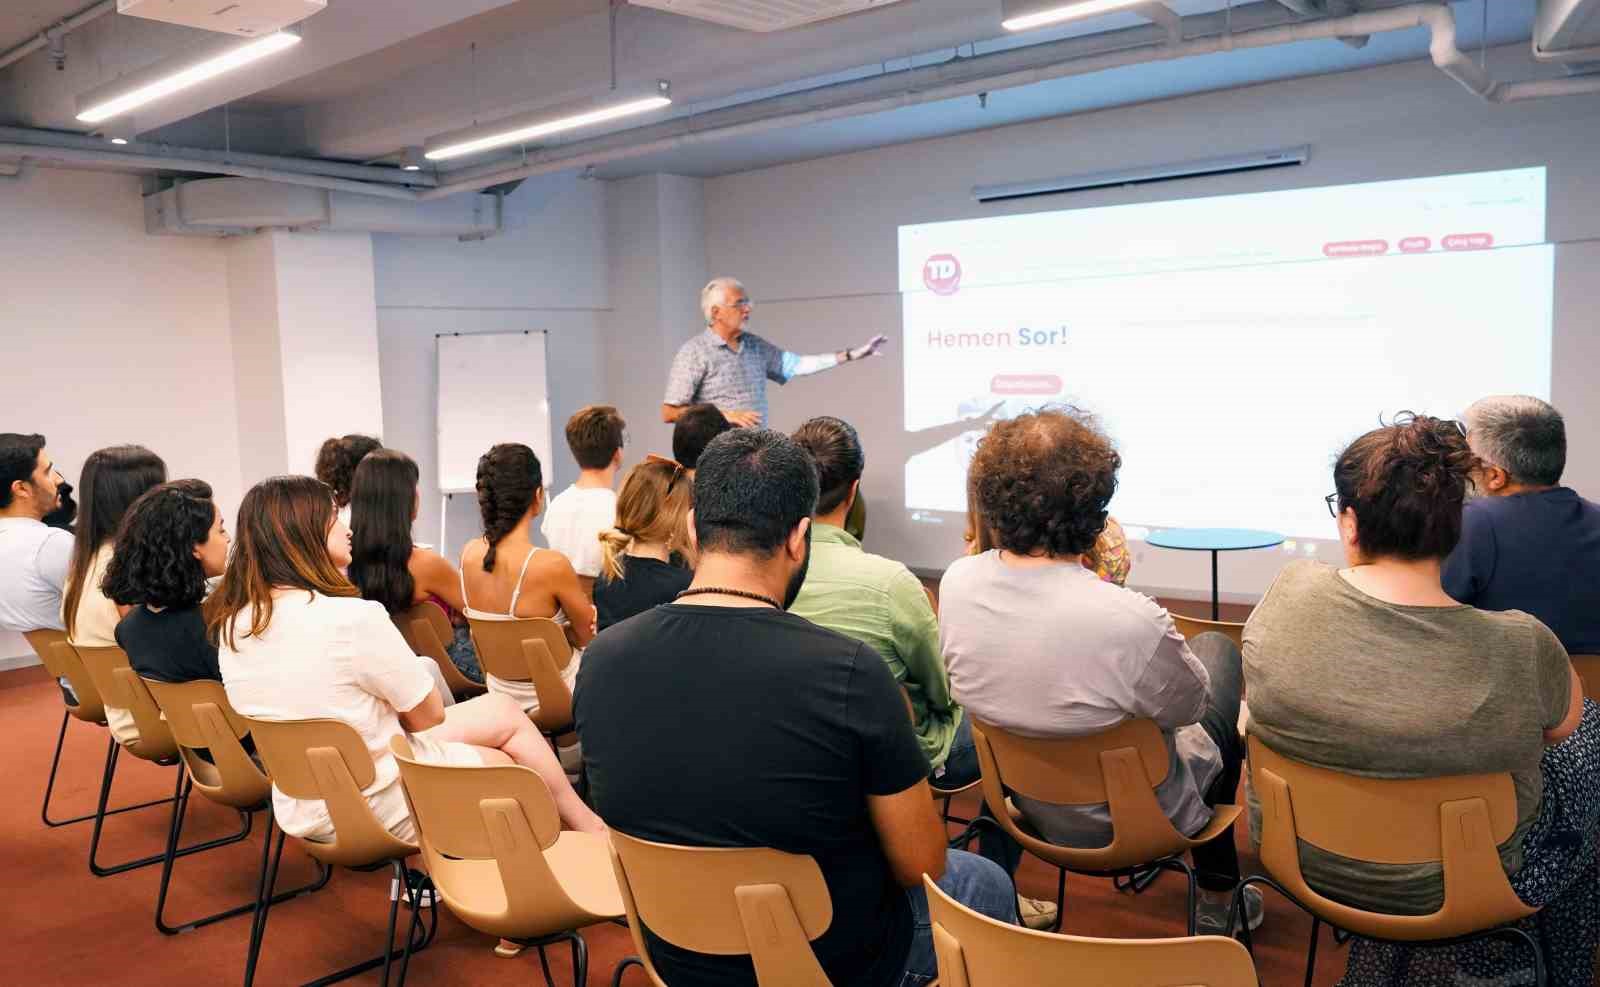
x,y
724,720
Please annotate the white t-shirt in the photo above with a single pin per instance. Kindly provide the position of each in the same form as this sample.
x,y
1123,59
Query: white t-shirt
x,y
335,658
573,524
34,559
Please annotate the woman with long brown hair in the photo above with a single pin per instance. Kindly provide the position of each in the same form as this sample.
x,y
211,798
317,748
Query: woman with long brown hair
x,y
112,479
636,553
296,641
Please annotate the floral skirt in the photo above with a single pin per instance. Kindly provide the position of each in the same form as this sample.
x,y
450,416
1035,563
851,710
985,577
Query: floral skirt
x,y
1560,875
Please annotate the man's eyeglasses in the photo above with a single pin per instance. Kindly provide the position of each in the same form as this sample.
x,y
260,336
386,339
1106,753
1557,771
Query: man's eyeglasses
x,y
678,469
1332,500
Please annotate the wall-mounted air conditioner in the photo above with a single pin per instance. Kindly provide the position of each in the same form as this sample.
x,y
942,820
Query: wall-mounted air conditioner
x,y
1254,161
244,18
763,15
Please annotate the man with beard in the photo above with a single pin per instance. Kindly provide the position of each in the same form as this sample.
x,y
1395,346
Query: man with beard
x,y
723,720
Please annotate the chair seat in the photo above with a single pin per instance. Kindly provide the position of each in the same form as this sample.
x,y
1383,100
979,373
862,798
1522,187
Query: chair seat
x,y
581,863
1222,816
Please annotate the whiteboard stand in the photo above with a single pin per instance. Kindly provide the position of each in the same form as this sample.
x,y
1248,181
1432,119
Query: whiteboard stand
x,y
444,515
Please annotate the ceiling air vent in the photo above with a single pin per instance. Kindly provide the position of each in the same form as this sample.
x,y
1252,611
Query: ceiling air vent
x,y
764,15
242,18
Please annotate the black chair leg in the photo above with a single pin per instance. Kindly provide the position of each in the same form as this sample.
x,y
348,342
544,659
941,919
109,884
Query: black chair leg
x,y
1515,934
622,967
1311,950
269,880
409,946
50,787
580,960
1137,882
179,801
1061,898
1179,864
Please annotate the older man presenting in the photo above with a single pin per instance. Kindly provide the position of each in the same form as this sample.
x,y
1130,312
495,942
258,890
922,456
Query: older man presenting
x,y
729,367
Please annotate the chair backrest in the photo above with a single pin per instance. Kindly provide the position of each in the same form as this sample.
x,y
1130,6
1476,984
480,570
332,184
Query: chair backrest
x,y
533,649
120,688
1588,668
1191,626
327,760
503,813
977,951
727,902
1457,821
62,661
1121,767
426,630
200,716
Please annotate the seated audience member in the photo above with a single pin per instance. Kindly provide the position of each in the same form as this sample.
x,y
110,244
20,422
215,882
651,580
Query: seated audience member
x,y
171,541
112,480
385,565
1529,543
1109,558
636,567
1039,645
66,514
694,429
337,460
578,514
295,641
34,558
504,577
804,743
1373,669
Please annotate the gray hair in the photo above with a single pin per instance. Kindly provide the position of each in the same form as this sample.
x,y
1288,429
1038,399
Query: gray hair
x,y
711,294
1522,435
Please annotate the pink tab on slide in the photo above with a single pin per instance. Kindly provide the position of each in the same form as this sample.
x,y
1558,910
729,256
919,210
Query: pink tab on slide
x,y
1355,248
1468,241
1025,384
1415,245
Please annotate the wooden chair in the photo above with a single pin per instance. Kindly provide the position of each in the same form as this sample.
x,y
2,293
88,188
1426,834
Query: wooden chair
x,y
62,662
1588,668
427,630
536,650
976,951
1457,821
492,842
201,719
755,901
1122,767
1191,626
116,684
327,760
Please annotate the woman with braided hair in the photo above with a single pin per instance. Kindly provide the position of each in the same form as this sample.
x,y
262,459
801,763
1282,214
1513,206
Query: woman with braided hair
x,y
505,577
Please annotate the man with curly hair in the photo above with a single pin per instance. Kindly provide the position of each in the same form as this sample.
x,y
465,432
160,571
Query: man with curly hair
x,y
1038,644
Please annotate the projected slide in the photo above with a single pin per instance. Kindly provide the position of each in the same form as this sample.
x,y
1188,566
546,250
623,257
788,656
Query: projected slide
x,y
1230,345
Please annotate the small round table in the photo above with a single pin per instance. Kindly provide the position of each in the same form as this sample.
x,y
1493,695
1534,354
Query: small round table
x,y
1213,540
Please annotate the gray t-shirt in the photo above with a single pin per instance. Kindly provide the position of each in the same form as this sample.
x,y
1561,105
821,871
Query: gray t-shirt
x,y
1346,681
1057,652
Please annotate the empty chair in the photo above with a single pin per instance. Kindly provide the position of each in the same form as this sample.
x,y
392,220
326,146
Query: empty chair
x,y
427,630
1191,627
494,848
1120,767
328,760
728,902
530,649
976,951
62,662
208,734
116,684
1457,821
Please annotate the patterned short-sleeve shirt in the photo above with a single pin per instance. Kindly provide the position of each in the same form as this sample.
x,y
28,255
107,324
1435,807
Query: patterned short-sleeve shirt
x,y
708,371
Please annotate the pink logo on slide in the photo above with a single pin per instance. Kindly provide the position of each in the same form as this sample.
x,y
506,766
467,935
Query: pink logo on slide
x,y
942,274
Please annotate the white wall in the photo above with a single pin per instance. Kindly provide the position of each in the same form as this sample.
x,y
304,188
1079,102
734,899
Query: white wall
x,y
547,271
111,336
815,241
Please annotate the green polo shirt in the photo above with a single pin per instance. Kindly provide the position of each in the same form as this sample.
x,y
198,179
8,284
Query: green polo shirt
x,y
880,603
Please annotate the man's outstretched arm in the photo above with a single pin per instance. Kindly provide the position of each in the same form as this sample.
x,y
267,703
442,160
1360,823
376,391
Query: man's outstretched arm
x,y
797,365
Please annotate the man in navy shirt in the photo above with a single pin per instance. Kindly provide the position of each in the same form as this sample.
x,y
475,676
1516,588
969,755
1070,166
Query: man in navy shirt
x,y
1528,543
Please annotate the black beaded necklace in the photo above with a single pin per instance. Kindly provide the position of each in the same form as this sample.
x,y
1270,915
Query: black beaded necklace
x,y
743,594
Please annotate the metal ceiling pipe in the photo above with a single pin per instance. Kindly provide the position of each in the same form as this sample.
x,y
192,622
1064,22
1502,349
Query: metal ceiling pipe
x,y
1589,54
951,80
42,40
308,166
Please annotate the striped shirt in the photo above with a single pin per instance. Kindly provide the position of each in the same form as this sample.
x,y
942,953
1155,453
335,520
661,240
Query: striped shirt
x,y
709,371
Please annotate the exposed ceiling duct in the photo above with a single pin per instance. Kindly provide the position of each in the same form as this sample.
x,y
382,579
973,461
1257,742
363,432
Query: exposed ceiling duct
x,y
1567,31
235,206
764,15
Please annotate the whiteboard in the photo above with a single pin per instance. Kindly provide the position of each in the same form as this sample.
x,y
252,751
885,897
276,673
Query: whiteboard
x,y
493,388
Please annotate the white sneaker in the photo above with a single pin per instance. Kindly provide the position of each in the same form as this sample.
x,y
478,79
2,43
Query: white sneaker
x,y
1211,916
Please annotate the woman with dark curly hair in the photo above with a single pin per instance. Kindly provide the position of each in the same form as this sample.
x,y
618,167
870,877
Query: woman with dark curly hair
x,y
1374,669
504,577
337,460
1036,642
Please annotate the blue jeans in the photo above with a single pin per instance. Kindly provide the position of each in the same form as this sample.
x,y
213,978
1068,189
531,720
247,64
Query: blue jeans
x,y
973,881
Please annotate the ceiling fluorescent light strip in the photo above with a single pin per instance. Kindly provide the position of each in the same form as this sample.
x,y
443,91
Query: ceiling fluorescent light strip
x,y
457,145
166,85
1063,12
